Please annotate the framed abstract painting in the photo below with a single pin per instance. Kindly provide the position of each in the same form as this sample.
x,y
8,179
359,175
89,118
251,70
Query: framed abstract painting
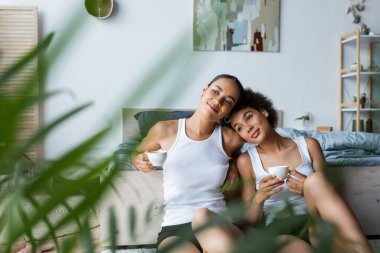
x,y
236,25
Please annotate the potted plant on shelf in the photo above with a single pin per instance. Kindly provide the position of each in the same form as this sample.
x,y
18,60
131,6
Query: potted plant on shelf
x,y
306,119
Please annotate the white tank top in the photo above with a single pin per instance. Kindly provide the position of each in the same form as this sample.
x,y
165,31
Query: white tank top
x,y
193,173
275,204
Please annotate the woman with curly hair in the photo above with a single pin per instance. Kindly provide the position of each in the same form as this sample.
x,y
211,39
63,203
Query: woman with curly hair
x,y
304,191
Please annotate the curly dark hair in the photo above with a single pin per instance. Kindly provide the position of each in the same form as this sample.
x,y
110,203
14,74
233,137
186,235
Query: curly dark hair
x,y
257,101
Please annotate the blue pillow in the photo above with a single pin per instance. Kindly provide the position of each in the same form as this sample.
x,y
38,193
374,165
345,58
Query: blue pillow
x,y
122,156
147,119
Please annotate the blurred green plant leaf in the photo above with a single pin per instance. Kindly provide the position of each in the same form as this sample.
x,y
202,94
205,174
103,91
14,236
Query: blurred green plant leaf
x,y
326,236
14,69
112,227
44,131
132,221
87,239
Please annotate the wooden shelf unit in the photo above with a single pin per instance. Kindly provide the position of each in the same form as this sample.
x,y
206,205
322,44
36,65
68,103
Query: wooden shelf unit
x,y
358,74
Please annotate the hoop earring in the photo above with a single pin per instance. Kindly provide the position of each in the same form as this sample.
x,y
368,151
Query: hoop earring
x,y
227,119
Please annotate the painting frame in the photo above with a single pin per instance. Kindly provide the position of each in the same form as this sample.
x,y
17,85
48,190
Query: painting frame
x,y
236,25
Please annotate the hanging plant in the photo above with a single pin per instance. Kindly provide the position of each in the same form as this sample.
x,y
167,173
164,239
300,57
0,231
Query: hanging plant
x,y
99,8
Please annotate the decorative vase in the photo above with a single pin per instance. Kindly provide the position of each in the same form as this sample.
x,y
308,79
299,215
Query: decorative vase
x,y
361,125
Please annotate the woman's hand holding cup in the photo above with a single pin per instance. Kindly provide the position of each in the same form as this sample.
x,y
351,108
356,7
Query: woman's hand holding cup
x,y
150,160
143,164
269,186
295,181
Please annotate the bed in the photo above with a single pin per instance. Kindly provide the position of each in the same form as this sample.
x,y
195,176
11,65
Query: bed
x,y
353,167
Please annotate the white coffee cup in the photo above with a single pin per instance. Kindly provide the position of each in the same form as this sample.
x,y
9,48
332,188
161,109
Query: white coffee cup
x,y
279,171
157,157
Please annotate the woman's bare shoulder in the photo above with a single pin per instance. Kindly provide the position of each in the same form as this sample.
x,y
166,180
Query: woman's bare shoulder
x,y
313,144
311,140
165,127
244,158
166,123
244,164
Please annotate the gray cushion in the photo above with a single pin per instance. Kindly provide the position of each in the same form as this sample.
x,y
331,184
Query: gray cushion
x,y
147,119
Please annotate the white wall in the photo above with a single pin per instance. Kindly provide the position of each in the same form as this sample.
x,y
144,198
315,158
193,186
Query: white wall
x,y
107,59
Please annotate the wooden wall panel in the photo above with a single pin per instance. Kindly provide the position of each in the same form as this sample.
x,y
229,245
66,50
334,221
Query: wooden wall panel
x,y
18,35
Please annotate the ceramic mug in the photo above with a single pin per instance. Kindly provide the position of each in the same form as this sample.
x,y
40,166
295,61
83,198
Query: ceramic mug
x,y
279,171
157,157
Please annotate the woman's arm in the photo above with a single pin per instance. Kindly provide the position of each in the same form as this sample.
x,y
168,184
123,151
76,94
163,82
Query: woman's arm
x,y
253,198
150,142
253,207
296,180
247,178
232,144
316,154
